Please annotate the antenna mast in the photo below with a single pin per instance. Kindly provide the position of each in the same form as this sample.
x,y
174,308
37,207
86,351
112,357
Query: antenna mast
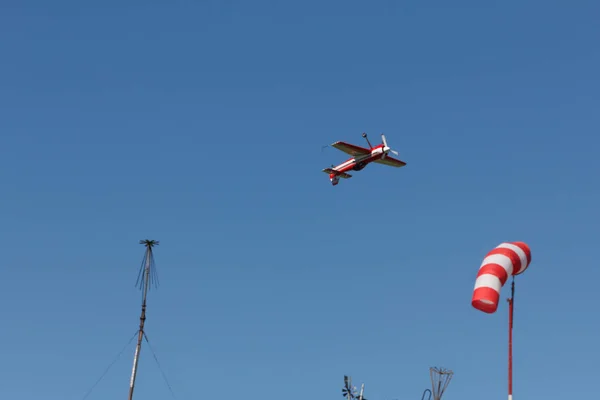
x,y
348,391
147,276
510,341
440,379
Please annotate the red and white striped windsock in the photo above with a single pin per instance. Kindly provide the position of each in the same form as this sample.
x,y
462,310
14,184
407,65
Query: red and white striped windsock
x,y
498,265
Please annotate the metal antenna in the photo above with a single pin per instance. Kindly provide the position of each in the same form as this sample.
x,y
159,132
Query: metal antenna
x,y
348,391
440,378
362,393
367,139
147,275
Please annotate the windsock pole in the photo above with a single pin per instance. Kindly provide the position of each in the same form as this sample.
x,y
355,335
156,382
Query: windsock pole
x,y
510,329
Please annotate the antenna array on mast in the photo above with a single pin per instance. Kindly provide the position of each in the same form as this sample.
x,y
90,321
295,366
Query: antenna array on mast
x,y
440,379
146,277
349,391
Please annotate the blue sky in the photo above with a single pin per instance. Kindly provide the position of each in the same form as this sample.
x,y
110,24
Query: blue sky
x,y
200,124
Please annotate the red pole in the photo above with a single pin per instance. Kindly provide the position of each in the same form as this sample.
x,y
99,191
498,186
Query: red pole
x,y
510,328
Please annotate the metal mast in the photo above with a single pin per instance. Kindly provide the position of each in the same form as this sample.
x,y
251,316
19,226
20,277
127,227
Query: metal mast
x,y
511,302
440,378
147,275
348,391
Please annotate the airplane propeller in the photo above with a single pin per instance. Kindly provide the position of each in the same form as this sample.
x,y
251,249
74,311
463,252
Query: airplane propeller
x,y
386,148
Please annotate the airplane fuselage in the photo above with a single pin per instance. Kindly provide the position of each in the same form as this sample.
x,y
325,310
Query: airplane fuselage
x,y
357,163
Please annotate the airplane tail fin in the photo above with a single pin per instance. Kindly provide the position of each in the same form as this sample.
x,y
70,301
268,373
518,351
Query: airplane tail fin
x,y
339,174
334,176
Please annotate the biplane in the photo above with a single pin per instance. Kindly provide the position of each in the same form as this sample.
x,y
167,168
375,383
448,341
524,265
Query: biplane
x,y
361,157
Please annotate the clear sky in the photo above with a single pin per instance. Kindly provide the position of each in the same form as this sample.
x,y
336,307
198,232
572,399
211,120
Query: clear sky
x,y
200,124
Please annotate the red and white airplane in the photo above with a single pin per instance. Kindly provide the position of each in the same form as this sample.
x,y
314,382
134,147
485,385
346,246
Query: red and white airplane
x,y
360,158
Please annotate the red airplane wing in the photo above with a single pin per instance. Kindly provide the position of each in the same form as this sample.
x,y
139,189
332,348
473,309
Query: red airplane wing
x,y
392,162
351,149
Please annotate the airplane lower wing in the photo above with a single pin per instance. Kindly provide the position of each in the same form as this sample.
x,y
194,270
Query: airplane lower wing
x,y
392,162
338,173
351,149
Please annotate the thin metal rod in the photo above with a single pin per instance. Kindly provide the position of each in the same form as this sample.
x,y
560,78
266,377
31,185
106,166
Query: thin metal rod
x,y
349,388
510,341
146,284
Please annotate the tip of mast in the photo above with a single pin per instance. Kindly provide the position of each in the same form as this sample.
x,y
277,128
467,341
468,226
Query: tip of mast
x,y
149,243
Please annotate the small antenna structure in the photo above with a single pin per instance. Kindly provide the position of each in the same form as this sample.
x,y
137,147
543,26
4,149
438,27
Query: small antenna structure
x,y
440,379
146,277
364,135
362,393
348,391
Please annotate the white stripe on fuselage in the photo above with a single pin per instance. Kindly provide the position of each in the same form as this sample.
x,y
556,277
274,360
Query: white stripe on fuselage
x,y
345,164
357,159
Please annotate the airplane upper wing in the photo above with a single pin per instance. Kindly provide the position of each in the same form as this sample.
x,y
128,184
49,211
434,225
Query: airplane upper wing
x,y
392,162
351,149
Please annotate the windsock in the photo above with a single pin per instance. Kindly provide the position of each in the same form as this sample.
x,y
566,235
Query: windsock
x,y
511,258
